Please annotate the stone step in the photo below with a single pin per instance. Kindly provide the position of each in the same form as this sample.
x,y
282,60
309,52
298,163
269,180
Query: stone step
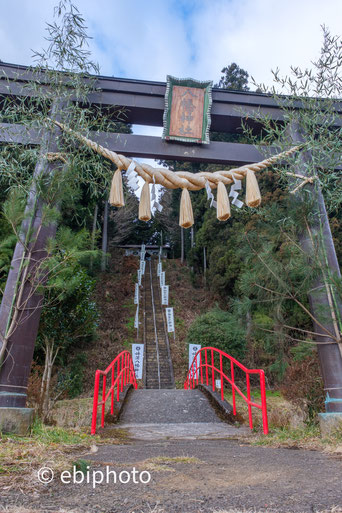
x,y
167,406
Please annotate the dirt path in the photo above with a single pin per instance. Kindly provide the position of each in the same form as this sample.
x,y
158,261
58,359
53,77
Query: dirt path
x,y
196,476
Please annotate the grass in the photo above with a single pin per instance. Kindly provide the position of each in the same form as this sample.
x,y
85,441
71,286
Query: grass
x,y
287,427
57,447
281,413
164,463
177,459
307,437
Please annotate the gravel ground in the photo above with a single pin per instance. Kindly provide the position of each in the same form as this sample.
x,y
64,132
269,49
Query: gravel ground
x,y
193,476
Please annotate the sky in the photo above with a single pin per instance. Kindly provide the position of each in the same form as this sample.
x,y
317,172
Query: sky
x,y
149,39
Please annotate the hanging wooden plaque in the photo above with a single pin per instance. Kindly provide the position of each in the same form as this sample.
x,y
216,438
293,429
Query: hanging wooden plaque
x,y
187,110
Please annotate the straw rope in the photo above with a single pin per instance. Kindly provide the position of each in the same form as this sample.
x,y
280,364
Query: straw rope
x,y
179,179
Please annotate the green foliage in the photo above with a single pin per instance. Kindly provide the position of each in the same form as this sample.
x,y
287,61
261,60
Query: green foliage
x,y
70,378
70,315
234,78
221,330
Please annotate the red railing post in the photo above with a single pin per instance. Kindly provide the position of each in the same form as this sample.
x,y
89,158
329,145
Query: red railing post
x,y
112,394
263,402
233,385
103,399
118,380
197,370
125,374
201,367
95,402
221,376
249,401
193,379
122,371
213,369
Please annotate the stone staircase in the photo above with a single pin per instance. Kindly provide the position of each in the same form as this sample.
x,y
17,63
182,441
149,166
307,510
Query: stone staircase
x,y
158,364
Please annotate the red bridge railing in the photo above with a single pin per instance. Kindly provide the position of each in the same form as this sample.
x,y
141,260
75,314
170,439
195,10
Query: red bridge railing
x,y
204,370
122,373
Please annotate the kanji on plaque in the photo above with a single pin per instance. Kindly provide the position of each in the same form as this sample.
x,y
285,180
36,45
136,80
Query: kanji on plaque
x,y
187,112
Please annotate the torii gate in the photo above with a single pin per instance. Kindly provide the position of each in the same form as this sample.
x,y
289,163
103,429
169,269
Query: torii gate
x,y
144,103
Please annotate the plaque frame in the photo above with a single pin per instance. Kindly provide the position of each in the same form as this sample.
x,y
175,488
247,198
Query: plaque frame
x,y
207,103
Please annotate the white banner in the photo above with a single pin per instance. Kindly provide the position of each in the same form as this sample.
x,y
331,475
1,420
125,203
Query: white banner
x,y
162,279
165,295
193,348
139,277
142,255
136,320
170,320
138,359
159,269
142,266
136,294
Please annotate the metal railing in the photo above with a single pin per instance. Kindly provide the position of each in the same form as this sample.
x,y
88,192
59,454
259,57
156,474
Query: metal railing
x,y
204,370
122,373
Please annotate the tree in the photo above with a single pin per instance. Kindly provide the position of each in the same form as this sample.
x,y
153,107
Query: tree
x,y
311,117
50,181
233,78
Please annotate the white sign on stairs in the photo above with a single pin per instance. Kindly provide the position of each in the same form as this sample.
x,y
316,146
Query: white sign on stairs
x,y
138,359
170,320
165,295
193,348
136,319
162,279
136,294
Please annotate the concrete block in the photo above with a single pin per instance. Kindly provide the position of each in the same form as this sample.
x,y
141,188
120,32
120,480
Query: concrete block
x,y
16,420
330,422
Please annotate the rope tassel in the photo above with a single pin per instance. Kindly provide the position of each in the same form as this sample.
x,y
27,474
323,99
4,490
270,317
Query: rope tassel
x,y
223,206
116,197
145,203
186,216
253,196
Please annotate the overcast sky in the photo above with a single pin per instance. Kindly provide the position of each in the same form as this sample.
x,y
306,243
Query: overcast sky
x,y
148,39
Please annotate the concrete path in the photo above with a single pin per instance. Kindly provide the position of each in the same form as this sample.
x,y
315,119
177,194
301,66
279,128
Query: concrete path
x,y
172,415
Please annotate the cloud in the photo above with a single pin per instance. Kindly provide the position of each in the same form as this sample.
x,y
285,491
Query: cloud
x,y
148,40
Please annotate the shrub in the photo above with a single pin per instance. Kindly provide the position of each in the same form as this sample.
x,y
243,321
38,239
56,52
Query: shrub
x,y
219,329
303,386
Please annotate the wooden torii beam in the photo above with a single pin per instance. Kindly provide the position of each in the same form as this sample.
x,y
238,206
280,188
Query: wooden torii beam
x,y
144,104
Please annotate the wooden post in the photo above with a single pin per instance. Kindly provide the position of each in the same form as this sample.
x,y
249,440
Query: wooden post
x,y
93,233
192,243
320,304
104,237
182,245
204,266
18,347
